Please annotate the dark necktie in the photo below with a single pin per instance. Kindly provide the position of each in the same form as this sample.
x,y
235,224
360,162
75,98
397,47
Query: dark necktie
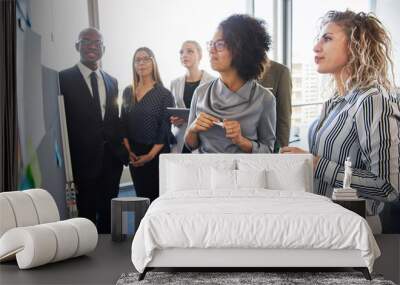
x,y
96,96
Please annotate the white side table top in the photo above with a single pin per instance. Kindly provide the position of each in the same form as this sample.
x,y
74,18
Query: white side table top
x,y
128,199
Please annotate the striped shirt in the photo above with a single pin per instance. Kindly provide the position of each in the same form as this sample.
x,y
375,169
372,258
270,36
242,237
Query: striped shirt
x,y
363,125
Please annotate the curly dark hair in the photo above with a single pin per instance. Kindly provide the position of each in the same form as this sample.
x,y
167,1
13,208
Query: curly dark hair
x,y
248,41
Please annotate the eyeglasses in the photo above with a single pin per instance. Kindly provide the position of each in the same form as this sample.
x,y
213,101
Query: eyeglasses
x,y
143,59
85,42
219,45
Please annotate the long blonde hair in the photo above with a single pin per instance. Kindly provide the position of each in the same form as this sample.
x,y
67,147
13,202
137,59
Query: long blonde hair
x,y
369,49
156,74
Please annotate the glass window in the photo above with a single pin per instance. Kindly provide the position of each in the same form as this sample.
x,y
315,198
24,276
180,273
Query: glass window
x,y
308,85
162,26
264,9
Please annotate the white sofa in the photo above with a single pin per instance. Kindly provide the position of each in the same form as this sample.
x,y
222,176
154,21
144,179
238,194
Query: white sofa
x,y
31,231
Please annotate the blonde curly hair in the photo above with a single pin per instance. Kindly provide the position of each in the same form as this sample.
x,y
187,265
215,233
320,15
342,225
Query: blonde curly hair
x,y
369,49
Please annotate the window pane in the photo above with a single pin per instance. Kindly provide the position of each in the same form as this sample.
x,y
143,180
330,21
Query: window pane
x,y
308,85
264,9
162,26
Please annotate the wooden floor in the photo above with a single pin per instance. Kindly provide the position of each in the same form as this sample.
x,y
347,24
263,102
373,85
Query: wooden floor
x,y
110,260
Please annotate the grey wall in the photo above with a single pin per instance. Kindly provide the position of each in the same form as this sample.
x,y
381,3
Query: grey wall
x,y
42,51
51,162
58,22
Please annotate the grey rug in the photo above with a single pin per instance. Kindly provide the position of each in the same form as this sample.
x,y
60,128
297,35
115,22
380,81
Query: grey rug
x,y
243,278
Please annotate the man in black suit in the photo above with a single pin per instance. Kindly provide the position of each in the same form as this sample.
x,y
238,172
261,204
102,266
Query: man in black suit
x,y
94,131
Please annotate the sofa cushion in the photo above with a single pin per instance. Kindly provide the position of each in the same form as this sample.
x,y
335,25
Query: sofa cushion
x,y
46,207
7,220
23,208
26,208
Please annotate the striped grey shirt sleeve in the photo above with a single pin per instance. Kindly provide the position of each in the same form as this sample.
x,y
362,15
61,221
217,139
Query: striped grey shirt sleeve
x,y
377,121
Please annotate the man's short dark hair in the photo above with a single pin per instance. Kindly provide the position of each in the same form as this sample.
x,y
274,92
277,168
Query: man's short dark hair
x,y
249,42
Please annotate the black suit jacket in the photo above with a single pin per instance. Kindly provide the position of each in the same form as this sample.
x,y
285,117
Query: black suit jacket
x,y
89,136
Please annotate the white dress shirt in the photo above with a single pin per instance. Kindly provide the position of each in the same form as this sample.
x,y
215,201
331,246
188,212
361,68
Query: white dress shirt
x,y
86,71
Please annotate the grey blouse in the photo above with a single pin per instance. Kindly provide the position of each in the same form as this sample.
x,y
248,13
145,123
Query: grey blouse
x,y
252,105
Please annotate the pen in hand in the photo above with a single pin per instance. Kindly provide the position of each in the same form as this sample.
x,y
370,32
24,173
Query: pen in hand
x,y
221,124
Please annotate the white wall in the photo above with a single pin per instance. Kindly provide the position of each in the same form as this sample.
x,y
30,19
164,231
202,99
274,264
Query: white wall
x,y
161,25
388,12
59,23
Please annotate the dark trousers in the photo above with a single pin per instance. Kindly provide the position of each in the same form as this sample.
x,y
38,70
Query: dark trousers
x,y
94,196
146,178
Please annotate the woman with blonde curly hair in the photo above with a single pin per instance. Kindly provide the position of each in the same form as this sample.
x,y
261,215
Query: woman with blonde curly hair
x,y
361,121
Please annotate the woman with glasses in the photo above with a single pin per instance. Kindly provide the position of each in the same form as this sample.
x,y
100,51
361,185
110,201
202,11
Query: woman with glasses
x,y
234,114
146,124
183,88
361,121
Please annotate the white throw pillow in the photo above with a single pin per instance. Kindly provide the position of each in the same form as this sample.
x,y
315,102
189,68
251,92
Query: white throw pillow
x,y
223,179
187,176
251,178
283,173
293,179
182,177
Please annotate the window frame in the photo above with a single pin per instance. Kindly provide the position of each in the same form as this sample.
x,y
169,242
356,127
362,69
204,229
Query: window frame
x,y
282,29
